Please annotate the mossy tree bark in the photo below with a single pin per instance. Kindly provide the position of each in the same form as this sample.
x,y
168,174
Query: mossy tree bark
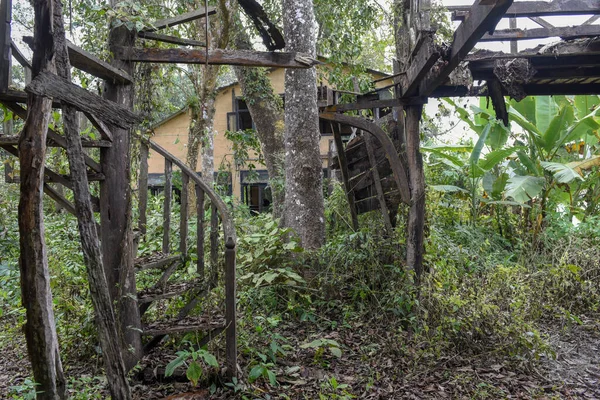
x,y
304,206
266,109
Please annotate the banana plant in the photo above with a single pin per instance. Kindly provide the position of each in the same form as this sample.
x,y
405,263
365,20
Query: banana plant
x,y
551,126
479,170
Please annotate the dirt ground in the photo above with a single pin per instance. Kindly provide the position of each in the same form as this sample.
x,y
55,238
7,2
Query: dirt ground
x,y
373,366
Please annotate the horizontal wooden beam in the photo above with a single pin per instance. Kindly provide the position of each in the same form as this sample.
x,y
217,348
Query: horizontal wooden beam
x,y
217,57
170,39
50,85
565,32
181,19
91,64
14,140
368,105
482,18
538,8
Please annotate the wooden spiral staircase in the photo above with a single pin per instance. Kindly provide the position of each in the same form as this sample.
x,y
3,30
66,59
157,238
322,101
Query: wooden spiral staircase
x,y
210,324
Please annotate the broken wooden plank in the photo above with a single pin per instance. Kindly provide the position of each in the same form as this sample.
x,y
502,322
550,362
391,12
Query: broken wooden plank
x,y
100,126
50,85
538,8
565,32
244,58
20,57
14,140
170,39
482,18
180,19
155,263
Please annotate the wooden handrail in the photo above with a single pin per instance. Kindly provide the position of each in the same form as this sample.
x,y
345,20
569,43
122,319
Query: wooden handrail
x,y
228,226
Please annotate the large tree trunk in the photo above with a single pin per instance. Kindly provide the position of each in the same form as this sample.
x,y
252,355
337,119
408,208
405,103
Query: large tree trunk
x,y
266,109
40,328
304,208
115,215
105,317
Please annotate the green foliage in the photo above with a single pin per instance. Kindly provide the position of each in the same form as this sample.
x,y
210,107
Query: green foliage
x,y
320,345
196,360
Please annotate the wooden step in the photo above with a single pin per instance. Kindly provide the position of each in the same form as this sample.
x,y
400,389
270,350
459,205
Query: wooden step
x,y
169,291
189,324
155,261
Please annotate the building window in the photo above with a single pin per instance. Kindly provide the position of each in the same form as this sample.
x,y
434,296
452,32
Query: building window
x,y
240,119
256,193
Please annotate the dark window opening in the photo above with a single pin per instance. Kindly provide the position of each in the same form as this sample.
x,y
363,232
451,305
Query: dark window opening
x,y
256,193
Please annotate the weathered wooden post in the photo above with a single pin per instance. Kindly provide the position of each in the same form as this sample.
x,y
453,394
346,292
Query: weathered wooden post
x,y
230,308
167,206
200,232
115,208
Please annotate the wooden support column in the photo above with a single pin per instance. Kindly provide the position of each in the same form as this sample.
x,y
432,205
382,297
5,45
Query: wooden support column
x,y
40,327
143,189
115,209
183,219
167,206
230,308
416,214
200,232
5,44
377,181
214,246
339,145
103,309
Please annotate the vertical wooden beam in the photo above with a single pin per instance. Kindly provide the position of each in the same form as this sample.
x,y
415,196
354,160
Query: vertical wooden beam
x,y
416,215
200,231
116,206
214,245
514,49
5,44
143,189
183,216
230,309
167,206
377,181
337,136
116,373
40,326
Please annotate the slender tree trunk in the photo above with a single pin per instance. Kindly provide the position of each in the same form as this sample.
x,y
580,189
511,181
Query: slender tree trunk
x,y
304,208
115,215
266,109
40,328
105,317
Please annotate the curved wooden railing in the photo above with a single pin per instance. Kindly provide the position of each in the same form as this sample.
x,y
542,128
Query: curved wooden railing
x,y
219,211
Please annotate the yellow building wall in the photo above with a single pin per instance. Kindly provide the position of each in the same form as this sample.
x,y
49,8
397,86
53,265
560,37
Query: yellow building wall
x,y
173,133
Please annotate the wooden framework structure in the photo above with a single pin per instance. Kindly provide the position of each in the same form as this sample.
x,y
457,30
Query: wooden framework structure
x,y
114,119
378,172
379,169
